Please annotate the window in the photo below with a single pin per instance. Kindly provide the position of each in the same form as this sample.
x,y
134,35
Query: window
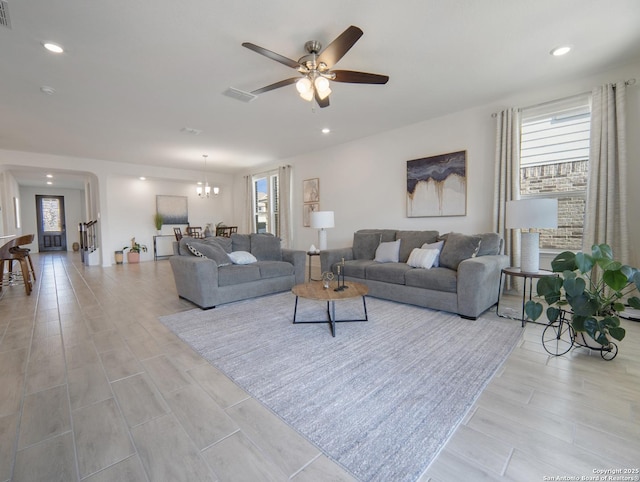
x,y
266,200
554,163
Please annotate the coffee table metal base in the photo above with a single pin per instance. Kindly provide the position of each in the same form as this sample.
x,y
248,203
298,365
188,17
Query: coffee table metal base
x,y
331,315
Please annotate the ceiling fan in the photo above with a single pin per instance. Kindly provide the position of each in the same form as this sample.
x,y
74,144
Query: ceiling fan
x,y
316,68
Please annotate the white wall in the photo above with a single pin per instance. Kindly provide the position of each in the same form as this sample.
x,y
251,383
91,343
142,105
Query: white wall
x,y
132,204
364,182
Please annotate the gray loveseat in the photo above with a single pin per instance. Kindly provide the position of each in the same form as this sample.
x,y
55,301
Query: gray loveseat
x,y
206,274
464,279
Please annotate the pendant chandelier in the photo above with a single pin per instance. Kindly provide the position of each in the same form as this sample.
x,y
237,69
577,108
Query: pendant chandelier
x,y
206,192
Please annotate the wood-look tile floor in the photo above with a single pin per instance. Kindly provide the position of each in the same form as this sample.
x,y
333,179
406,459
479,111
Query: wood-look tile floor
x,y
93,387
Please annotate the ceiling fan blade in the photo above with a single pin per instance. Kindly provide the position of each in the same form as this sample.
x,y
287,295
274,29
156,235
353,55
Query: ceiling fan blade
x,y
277,85
340,46
354,77
272,55
322,102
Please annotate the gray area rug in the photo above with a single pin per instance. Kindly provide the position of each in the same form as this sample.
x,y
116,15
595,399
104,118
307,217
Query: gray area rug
x,y
381,398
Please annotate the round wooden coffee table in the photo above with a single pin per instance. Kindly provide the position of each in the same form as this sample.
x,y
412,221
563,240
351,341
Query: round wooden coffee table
x,y
316,291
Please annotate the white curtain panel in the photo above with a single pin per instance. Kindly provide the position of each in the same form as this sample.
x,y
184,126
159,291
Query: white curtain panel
x,y
284,218
606,210
507,186
247,219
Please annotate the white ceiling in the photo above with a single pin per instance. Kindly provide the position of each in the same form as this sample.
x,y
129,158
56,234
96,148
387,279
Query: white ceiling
x,y
134,73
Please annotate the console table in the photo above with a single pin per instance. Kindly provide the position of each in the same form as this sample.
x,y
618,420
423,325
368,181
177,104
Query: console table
x,y
156,256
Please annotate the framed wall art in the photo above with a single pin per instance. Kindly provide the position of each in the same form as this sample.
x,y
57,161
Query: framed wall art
x,y
174,209
311,190
307,209
437,185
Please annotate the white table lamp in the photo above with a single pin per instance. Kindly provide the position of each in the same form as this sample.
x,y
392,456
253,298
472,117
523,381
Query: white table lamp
x,y
322,220
530,214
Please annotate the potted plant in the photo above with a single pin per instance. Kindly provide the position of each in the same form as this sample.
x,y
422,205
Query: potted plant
x,y
158,221
133,256
591,288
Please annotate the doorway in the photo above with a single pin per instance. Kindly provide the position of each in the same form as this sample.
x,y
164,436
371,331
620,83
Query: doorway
x,y
52,233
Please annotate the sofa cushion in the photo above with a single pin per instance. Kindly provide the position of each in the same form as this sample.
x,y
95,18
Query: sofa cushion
x,y
388,252
234,274
211,251
240,242
274,269
365,245
266,247
388,272
422,258
491,244
437,245
438,279
457,248
413,239
242,257
223,242
355,268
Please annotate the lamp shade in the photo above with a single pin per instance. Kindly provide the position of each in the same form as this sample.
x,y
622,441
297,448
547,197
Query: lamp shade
x,y
322,219
532,213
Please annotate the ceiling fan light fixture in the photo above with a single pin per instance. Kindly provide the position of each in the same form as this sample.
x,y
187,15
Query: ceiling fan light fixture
x,y
304,86
322,87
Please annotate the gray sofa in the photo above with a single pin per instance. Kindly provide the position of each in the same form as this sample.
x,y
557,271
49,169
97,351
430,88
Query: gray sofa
x,y
206,274
464,279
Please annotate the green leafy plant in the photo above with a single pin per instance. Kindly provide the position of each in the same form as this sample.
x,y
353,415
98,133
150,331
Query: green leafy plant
x,y
592,288
135,247
158,221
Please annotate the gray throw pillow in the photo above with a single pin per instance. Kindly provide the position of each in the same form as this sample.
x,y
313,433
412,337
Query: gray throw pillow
x,y
266,247
365,245
388,252
491,244
457,248
211,251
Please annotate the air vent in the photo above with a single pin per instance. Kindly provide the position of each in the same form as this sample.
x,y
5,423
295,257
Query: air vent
x,y
5,21
240,95
191,130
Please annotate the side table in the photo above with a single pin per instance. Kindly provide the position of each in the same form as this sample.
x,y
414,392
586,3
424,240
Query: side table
x,y
518,273
310,255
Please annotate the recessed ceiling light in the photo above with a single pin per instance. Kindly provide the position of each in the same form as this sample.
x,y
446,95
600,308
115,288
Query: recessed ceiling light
x,y
326,130
142,178
50,176
51,47
49,182
562,50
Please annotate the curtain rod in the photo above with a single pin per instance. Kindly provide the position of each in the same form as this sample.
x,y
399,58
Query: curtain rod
x,y
626,82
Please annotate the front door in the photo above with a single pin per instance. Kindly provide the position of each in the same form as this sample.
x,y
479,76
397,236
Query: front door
x,y
52,234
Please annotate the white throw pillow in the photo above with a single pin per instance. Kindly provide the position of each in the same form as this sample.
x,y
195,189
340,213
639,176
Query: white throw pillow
x,y
437,245
388,252
242,257
422,258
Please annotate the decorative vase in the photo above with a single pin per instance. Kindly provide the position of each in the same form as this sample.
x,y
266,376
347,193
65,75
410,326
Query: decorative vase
x,y
119,257
133,257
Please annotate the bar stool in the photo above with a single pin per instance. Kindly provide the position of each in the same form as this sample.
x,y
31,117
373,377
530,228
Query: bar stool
x,y
12,251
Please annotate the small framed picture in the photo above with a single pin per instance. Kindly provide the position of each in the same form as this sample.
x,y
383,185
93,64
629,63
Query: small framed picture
x,y
311,190
307,209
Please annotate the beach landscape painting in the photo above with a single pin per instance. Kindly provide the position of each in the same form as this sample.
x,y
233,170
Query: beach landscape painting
x,y
437,185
